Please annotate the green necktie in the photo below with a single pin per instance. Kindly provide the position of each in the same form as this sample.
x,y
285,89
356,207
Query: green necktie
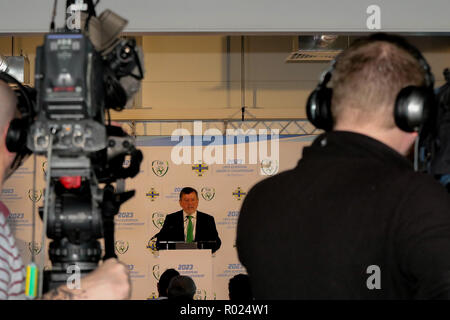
x,y
190,231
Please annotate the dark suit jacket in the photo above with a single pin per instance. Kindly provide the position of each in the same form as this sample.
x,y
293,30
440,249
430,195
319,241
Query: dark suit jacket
x,y
205,229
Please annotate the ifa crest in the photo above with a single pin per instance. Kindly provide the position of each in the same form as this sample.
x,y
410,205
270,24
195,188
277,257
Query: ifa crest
x,y
151,246
268,167
121,246
200,169
152,296
158,219
239,193
160,168
152,194
34,247
208,193
34,196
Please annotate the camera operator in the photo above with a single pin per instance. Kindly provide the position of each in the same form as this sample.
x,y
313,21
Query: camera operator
x,y
353,220
109,281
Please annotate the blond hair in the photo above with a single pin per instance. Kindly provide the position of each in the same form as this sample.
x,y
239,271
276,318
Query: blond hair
x,y
367,78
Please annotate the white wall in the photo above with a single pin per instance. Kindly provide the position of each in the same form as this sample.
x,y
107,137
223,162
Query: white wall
x,y
239,16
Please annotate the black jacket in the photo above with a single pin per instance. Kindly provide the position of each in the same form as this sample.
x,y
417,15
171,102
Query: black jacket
x,y
205,229
315,232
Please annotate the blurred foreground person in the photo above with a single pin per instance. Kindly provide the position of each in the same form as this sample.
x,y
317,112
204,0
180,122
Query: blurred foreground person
x,y
109,281
353,220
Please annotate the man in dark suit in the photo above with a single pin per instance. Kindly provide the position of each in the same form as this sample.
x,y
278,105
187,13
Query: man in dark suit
x,y
190,225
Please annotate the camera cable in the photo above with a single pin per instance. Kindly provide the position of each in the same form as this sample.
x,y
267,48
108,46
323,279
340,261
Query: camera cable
x,y
32,269
46,202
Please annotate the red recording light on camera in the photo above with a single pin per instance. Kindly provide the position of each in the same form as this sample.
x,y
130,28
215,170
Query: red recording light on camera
x,y
71,182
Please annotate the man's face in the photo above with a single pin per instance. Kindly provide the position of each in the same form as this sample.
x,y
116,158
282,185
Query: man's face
x,y
189,202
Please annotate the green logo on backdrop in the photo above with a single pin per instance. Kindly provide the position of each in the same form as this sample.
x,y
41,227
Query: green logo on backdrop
x,y
36,196
269,167
34,247
155,271
208,193
122,246
160,168
158,219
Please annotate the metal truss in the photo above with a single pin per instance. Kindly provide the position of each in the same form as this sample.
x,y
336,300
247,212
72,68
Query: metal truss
x,y
166,127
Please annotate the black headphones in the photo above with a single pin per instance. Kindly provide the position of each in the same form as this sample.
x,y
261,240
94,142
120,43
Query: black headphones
x,y
16,137
413,104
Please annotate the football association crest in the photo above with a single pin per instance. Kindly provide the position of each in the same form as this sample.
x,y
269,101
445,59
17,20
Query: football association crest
x,y
151,245
200,295
239,194
208,193
158,219
268,167
34,247
121,246
34,196
160,168
152,194
200,169
153,296
155,271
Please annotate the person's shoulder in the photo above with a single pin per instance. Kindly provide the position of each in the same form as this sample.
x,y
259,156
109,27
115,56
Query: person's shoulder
x,y
277,182
422,183
424,195
174,214
201,214
423,208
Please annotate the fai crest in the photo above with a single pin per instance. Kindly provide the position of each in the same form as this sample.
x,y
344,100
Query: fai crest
x,y
34,247
208,193
200,169
200,295
34,196
152,194
121,246
158,219
268,167
239,194
155,271
160,168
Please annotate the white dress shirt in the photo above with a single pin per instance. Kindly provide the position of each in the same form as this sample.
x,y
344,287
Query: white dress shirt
x,y
186,221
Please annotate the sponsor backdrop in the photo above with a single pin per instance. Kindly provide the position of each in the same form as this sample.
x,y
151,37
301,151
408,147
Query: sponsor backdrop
x,y
221,187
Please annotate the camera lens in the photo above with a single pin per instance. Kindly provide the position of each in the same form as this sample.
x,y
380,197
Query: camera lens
x,y
42,141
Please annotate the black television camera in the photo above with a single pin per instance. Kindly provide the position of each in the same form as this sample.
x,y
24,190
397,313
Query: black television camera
x,y
434,140
76,82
